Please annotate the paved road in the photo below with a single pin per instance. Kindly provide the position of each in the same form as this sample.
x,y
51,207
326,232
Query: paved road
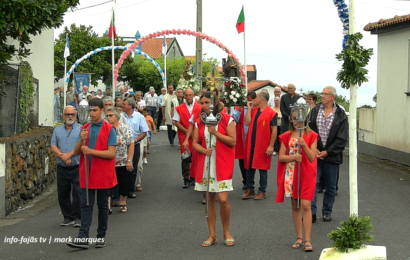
x,y
168,222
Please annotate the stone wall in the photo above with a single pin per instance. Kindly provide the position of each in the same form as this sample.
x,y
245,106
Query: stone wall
x,y
30,167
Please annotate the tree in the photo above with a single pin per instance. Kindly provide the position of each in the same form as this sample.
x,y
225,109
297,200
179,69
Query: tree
x,y
83,40
141,74
20,19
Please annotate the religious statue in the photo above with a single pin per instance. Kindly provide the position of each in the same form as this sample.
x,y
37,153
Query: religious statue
x,y
181,80
231,68
189,71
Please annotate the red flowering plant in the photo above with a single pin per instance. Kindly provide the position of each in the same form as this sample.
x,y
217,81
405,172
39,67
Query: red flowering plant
x,y
233,93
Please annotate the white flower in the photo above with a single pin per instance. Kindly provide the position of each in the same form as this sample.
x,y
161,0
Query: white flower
x,y
237,95
230,96
225,94
234,100
233,92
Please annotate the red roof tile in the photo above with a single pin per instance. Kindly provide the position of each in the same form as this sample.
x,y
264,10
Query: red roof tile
x,y
153,47
384,23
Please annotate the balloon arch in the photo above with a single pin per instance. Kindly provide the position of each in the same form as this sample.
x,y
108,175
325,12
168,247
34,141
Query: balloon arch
x,y
109,48
200,35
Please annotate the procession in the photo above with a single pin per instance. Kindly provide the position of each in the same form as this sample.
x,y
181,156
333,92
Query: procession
x,y
179,130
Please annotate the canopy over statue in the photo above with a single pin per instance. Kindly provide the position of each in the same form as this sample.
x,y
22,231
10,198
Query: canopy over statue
x,y
231,68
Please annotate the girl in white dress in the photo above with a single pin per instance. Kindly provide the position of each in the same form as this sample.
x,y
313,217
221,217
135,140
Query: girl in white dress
x,y
222,156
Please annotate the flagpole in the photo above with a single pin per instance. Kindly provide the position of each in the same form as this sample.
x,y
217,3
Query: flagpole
x,y
112,52
65,74
165,62
244,59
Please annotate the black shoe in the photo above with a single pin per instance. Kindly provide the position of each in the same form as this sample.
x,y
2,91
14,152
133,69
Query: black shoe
x,y
320,190
131,195
172,145
67,222
187,184
77,223
192,182
244,187
81,245
313,218
100,244
327,217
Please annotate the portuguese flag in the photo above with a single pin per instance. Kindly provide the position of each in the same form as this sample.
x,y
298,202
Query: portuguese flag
x,y
112,26
240,24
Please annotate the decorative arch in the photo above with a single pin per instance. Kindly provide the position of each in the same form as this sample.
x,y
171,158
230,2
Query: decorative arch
x,y
200,35
109,48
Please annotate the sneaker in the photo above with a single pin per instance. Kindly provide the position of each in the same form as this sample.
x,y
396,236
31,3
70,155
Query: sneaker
x,y
187,184
100,244
67,222
260,196
145,161
77,223
248,194
81,245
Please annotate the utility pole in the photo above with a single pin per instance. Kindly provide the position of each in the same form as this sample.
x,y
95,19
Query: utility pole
x,y
198,69
354,205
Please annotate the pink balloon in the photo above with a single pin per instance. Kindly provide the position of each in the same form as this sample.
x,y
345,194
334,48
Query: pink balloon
x,y
173,31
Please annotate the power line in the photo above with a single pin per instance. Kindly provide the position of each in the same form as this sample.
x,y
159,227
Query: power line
x,y
92,6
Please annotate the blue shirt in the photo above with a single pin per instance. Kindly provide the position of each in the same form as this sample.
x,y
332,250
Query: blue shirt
x,y
160,98
92,137
65,141
137,124
236,116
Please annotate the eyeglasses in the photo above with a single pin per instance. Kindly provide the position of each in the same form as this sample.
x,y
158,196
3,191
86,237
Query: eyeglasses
x,y
70,115
326,94
110,115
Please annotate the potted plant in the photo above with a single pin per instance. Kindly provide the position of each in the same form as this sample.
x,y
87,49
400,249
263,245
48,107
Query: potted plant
x,y
348,241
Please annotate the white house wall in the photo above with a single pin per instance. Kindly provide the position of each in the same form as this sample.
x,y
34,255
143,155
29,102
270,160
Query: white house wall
x,y
393,106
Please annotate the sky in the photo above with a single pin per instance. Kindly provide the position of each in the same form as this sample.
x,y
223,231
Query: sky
x,y
292,41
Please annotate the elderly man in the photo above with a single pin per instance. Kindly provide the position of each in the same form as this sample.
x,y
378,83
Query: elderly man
x,y
276,93
167,116
62,145
84,94
329,120
149,91
108,103
182,114
151,101
160,115
139,129
179,100
262,122
286,101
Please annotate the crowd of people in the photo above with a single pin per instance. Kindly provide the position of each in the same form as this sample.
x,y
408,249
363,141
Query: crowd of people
x,y
116,141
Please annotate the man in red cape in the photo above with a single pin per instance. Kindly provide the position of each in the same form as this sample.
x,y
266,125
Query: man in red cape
x,y
182,115
262,122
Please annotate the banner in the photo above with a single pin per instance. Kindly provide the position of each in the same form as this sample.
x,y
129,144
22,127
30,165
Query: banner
x,y
81,80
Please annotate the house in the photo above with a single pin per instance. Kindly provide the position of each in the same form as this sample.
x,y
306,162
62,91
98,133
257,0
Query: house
x,y
41,60
383,132
153,47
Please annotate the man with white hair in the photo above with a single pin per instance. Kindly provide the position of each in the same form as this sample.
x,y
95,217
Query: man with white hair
x,y
84,94
151,101
68,185
329,120
149,91
276,93
286,101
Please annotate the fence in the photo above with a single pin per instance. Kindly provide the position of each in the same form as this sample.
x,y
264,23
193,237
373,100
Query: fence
x,y
10,118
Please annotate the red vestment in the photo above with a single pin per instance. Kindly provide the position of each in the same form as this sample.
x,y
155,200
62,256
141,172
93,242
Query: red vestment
x,y
225,155
308,171
102,175
184,116
260,160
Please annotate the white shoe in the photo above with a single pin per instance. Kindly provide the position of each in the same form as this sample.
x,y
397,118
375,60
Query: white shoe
x,y
145,161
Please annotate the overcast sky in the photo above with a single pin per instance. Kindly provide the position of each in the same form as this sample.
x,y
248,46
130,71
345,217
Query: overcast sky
x,y
292,41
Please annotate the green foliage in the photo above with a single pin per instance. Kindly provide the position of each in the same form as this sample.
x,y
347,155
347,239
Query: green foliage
x,y
21,19
355,58
26,100
352,234
83,40
141,74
